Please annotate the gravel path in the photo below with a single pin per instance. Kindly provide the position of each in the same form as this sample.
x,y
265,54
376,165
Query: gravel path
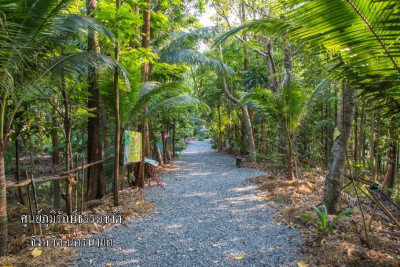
x,y
205,213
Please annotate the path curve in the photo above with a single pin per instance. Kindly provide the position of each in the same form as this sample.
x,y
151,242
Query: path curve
x,y
205,213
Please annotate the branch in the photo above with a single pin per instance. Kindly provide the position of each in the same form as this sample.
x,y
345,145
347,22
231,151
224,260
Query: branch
x,y
226,89
258,51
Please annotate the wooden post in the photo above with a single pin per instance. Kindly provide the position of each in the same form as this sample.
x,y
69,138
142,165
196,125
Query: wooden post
x,y
36,203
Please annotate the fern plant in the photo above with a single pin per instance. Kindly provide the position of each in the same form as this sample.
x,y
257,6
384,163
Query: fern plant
x,y
325,226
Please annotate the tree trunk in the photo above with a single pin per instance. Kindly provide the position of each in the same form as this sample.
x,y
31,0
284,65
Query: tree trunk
x,y
219,129
249,133
117,124
391,169
95,178
55,158
372,147
3,204
246,119
356,135
245,51
271,67
18,171
158,153
338,157
378,150
139,171
146,149
361,133
103,119
174,138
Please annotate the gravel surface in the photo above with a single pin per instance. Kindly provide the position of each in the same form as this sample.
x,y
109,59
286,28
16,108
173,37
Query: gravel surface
x,y
205,214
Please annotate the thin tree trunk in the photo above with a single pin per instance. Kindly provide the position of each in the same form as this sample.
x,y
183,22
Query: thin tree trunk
x,y
158,153
55,158
146,149
378,150
68,148
271,67
103,120
361,132
3,203
219,129
173,138
372,147
95,178
245,51
356,135
18,171
391,169
339,150
117,124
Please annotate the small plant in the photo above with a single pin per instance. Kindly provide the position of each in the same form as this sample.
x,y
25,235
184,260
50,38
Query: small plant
x,y
279,198
325,226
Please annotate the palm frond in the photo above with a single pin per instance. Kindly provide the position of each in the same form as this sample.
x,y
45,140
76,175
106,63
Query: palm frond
x,y
194,37
171,102
77,64
193,57
152,88
73,23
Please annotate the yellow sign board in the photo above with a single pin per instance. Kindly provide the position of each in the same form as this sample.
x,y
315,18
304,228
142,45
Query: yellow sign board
x,y
133,147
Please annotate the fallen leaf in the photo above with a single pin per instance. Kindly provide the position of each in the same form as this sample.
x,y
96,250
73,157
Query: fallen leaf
x,y
301,264
191,249
140,238
139,202
323,241
214,245
90,261
240,257
216,261
108,264
215,217
36,252
278,247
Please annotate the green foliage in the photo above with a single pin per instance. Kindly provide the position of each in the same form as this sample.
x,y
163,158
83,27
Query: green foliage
x,y
325,226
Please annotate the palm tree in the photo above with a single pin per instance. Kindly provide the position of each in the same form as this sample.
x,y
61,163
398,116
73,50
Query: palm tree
x,y
361,39
25,64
